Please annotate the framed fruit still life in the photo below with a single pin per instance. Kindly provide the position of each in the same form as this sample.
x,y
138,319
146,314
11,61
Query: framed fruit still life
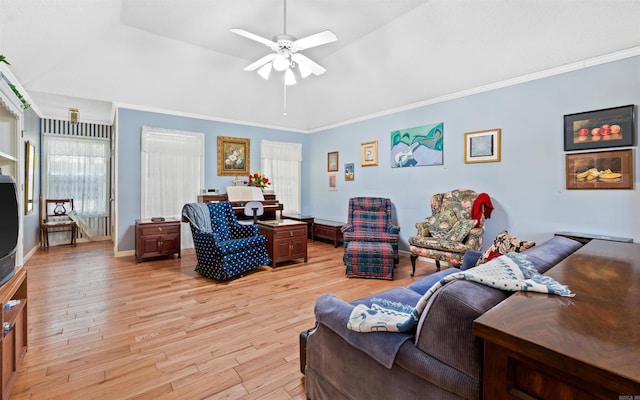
x,y
600,170
611,127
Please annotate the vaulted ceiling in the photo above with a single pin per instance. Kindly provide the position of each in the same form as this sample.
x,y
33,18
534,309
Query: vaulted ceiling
x,y
179,55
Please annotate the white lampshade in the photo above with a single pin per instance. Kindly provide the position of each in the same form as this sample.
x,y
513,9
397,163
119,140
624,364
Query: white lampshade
x,y
265,71
289,77
281,62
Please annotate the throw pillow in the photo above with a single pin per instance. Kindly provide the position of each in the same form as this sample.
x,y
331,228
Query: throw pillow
x,y
502,244
460,230
442,224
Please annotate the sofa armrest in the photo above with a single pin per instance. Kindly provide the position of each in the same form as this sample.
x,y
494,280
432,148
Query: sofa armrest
x,y
423,228
393,229
346,227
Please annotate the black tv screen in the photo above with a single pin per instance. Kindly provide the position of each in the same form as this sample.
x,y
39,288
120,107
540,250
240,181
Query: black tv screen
x,y
9,226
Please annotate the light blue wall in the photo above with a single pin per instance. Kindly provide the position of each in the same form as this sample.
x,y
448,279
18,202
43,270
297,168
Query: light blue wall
x,y
129,124
31,221
527,187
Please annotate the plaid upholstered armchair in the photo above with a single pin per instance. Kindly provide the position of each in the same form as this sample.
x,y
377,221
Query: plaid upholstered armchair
x,y
369,220
224,248
455,226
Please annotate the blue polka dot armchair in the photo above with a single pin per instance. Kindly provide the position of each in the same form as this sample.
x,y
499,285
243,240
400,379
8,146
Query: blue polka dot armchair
x,y
224,248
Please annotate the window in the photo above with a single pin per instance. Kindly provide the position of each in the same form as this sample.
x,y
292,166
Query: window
x,y
78,168
281,163
172,171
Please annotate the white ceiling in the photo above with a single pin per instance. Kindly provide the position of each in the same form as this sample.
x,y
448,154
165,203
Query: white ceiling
x,y
179,56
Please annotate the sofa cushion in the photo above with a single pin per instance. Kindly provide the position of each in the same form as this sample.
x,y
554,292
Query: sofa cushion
x,y
422,285
502,244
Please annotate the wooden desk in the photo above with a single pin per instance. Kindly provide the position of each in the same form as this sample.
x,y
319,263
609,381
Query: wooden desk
x,y
286,239
540,346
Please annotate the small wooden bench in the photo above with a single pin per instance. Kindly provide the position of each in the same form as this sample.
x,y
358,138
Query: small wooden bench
x,y
327,229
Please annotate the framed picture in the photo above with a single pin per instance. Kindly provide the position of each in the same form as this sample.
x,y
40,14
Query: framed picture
x,y
29,176
349,172
233,156
333,181
332,161
600,170
369,154
611,127
417,146
482,146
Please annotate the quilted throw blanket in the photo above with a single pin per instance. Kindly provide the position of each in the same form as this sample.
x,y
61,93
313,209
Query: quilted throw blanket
x,y
198,215
510,272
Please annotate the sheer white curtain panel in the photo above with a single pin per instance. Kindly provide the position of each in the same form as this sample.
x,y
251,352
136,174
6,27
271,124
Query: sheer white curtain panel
x,y
281,162
172,171
78,168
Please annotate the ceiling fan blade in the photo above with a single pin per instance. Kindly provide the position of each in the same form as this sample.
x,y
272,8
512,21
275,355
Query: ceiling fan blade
x,y
314,40
259,63
301,59
252,36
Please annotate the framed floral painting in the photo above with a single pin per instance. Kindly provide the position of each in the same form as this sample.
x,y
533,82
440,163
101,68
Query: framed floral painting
x,y
233,156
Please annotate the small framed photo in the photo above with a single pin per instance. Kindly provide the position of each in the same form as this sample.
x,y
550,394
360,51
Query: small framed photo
x,y
610,127
369,154
233,156
333,181
600,170
482,146
332,161
349,172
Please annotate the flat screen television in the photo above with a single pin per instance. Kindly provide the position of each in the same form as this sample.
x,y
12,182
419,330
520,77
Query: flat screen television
x,y
9,227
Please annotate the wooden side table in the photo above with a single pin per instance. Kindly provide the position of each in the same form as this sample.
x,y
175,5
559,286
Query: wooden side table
x,y
286,239
304,218
157,238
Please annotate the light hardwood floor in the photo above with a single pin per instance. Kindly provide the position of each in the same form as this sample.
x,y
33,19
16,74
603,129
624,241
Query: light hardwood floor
x,y
102,327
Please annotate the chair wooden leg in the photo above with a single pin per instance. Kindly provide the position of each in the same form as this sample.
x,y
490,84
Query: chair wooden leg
x,y
413,258
438,265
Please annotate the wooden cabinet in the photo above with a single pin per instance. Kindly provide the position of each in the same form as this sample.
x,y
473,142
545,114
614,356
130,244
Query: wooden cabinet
x,y
157,238
14,337
286,239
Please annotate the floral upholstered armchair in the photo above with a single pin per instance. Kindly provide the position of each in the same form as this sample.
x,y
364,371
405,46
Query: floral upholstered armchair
x,y
456,225
369,220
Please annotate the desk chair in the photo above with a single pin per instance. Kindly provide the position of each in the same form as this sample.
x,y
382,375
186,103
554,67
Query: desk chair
x,y
55,218
252,209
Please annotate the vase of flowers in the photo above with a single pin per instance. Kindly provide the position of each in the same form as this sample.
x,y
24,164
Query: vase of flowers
x,y
258,180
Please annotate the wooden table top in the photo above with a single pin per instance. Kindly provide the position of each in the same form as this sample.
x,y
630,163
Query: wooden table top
x,y
598,329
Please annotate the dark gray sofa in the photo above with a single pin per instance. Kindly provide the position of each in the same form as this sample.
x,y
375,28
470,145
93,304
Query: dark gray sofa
x,y
442,359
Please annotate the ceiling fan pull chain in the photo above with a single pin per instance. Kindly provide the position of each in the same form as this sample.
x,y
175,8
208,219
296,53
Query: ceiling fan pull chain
x,y
284,106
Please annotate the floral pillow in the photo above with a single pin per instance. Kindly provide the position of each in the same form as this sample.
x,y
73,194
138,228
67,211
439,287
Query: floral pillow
x,y
503,244
460,230
442,224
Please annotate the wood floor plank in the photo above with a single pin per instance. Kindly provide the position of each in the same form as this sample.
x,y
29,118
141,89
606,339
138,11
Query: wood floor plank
x,y
102,327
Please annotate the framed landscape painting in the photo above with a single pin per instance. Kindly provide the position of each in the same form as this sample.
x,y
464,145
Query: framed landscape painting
x,y
611,127
600,170
233,156
332,161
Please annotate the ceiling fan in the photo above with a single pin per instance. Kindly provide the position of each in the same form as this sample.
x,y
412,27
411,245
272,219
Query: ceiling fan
x,y
286,56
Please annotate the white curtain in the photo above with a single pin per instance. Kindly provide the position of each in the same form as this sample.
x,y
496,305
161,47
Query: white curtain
x,y
172,171
78,168
282,163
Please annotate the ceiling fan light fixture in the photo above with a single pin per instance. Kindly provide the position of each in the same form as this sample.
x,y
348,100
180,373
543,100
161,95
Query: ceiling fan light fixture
x,y
281,62
265,71
289,77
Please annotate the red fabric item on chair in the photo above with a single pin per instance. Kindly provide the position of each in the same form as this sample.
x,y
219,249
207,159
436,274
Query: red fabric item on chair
x,y
482,205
